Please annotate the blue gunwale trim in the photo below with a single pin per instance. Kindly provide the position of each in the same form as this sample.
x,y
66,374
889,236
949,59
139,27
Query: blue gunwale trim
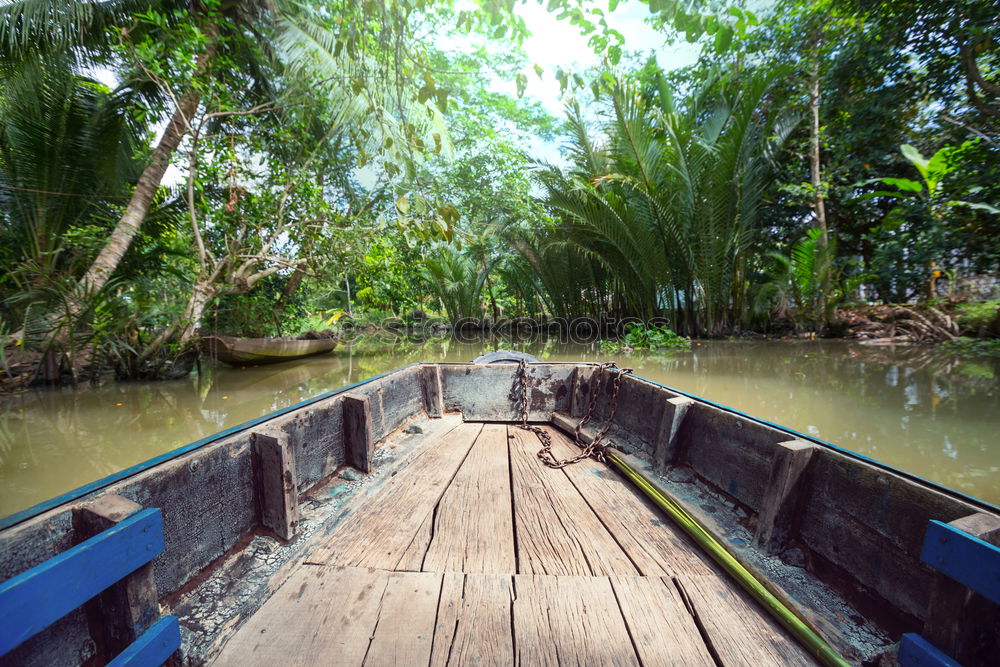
x,y
969,560
915,651
38,597
75,494
87,489
155,645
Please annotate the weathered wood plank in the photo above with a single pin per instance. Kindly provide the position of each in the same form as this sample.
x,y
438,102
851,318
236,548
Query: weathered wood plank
x,y
473,528
404,632
275,474
779,515
652,542
960,622
663,630
739,631
319,615
120,614
379,532
430,382
36,598
474,621
556,530
575,398
667,450
569,621
359,441
412,559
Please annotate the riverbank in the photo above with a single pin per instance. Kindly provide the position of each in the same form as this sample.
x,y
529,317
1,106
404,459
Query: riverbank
x,y
966,328
915,406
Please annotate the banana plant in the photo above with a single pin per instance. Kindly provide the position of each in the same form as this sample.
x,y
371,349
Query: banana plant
x,y
933,173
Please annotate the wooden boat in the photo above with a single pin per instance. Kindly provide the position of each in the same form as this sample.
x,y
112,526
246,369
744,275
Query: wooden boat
x,y
408,519
246,351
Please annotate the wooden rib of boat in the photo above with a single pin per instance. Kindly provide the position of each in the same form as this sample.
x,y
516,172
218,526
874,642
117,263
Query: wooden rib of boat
x,y
408,520
246,351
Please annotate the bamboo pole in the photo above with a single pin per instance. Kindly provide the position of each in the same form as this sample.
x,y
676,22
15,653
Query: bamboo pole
x,y
802,632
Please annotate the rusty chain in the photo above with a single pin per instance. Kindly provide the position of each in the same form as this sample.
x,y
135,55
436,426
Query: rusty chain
x,y
595,449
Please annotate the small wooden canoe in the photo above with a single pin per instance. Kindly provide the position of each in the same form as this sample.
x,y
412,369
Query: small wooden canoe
x,y
407,519
245,351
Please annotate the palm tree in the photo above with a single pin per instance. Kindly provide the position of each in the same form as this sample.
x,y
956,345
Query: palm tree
x,y
67,156
256,38
457,281
667,205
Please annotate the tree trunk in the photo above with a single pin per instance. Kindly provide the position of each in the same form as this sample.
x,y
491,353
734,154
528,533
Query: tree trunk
x,y
149,182
291,287
203,292
815,166
816,179
493,302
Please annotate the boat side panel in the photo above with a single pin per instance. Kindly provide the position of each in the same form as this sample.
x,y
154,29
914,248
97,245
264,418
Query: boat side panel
x,y
487,392
641,409
316,436
871,523
396,398
208,504
67,641
731,453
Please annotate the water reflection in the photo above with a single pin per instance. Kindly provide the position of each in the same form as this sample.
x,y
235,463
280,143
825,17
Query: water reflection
x,y
934,414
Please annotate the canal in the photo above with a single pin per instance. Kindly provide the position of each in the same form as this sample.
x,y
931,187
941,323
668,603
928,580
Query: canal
x,y
931,413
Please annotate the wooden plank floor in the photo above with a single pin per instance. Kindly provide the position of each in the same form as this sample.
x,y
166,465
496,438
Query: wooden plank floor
x,y
476,553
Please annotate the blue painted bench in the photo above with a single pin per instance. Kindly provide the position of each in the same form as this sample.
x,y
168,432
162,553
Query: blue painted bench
x,y
37,598
966,559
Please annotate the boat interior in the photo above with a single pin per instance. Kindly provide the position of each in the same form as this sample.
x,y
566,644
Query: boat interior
x,y
409,520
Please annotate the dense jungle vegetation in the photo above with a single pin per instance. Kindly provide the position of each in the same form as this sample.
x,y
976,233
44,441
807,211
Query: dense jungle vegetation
x,y
268,168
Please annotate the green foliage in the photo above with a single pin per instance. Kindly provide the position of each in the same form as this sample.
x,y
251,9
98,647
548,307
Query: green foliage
x,y
976,314
667,210
640,336
916,235
456,281
807,284
982,347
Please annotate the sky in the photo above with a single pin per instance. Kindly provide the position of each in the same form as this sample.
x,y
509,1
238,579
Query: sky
x,y
555,43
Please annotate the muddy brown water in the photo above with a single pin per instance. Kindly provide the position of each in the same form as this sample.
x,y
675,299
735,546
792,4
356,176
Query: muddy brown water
x,y
927,412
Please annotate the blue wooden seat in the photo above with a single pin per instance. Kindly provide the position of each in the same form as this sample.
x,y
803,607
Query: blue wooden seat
x,y
968,560
37,598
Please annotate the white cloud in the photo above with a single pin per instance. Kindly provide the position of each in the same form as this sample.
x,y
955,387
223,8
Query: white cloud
x,y
554,43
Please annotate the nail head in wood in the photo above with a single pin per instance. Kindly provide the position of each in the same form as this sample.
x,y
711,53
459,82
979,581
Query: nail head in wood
x,y
119,615
277,482
358,440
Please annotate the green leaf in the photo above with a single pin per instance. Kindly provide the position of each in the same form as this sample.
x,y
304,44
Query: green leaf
x,y
903,184
976,205
539,70
723,38
880,193
612,4
402,204
522,83
914,156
